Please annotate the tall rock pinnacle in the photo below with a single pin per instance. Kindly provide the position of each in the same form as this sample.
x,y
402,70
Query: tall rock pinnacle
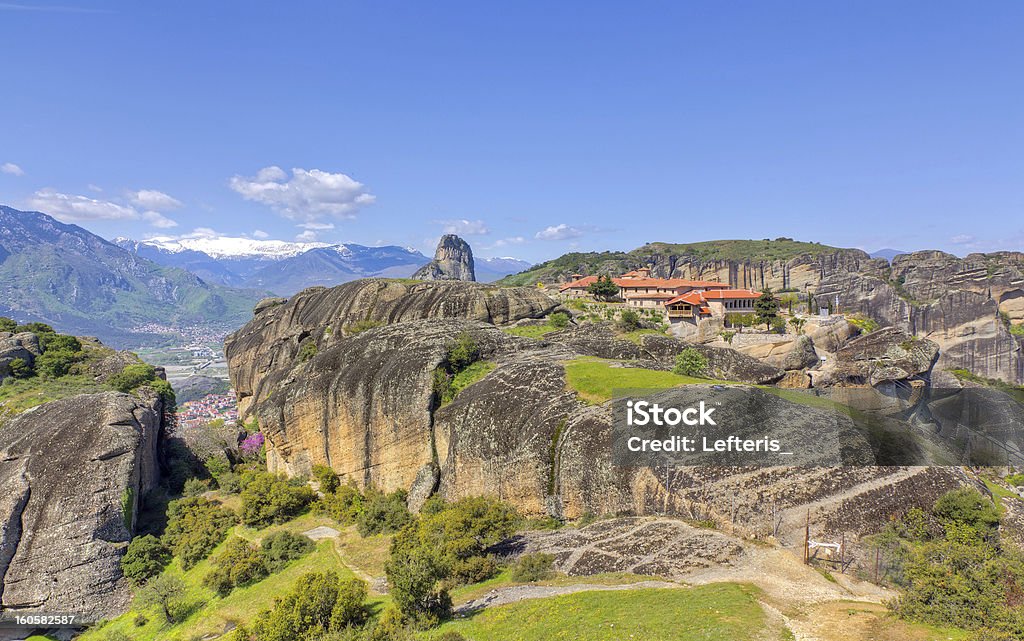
x,y
453,260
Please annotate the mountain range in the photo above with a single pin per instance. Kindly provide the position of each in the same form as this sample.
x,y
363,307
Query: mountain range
x,y
70,278
286,268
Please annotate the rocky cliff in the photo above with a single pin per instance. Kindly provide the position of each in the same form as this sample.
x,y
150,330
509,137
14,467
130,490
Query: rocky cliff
x,y
453,260
364,403
73,473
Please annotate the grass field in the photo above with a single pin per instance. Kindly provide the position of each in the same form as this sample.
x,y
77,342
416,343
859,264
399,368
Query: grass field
x,y
595,379
213,615
531,331
20,395
720,611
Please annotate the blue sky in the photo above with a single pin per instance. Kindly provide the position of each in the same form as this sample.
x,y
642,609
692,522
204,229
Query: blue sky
x,y
532,128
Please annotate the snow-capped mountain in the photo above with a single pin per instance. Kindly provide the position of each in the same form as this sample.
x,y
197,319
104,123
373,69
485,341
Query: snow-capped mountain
x,y
285,267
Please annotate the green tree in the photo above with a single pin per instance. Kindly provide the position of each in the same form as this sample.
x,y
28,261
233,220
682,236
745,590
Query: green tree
x,y
344,505
268,498
690,362
240,564
766,307
604,288
559,320
967,506
382,513
195,526
7,325
145,558
280,548
55,363
629,320
319,603
797,324
166,592
20,368
326,478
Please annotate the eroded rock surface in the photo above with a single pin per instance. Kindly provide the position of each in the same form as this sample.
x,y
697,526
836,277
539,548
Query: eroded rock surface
x,y
453,260
73,472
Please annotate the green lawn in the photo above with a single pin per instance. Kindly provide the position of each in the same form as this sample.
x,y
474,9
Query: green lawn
x,y
637,334
470,375
595,379
20,395
706,613
531,331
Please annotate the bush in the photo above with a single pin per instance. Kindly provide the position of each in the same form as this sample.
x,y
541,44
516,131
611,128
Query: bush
x,y
344,505
195,487
306,352
463,353
55,363
863,323
195,526
778,325
446,546
967,506
7,325
132,377
629,320
229,482
145,558
267,499
559,320
326,478
240,564
166,592
20,368
282,547
691,362
362,326
383,513
533,567
318,604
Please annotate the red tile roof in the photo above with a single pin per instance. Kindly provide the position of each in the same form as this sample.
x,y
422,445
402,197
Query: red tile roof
x,y
723,294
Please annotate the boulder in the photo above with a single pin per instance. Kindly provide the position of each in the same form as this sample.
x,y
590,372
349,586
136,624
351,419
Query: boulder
x,y
453,260
24,345
73,475
786,354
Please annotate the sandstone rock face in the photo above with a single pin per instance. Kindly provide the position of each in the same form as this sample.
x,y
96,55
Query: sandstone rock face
x,y
266,348
363,404
453,260
962,305
73,473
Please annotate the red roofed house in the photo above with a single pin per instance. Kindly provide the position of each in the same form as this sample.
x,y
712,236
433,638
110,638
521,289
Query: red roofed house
x,y
695,306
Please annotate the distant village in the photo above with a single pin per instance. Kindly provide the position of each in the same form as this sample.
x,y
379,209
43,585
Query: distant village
x,y
207,409
680,300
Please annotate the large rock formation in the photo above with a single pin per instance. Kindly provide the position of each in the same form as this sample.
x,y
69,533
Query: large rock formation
x,y
73,474
363,403
24,346
453,260
965,306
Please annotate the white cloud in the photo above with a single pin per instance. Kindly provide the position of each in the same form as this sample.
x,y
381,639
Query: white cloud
x,y
317,226
464,227
95,188
259,233
72,208
504,242
962,239
154,200
558,232
307,196
307,236
158,220
11,169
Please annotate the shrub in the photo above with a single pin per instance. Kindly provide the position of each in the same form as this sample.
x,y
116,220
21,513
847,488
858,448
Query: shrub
x,y
362,326
967,506
326,478
383,513
229,482
267,499
1017,330
55,363
463,353
132,377
727,336
306,351
145,558
691,362
344,505
7,325
863,323
165,592
629,320
20,368
195,526
559,320
778,325
251,445
797,324
217,466
282,547
318,604
240,564
533,567
195,487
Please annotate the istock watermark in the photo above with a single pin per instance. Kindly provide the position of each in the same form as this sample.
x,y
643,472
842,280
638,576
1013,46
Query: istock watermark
x,y
742,425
